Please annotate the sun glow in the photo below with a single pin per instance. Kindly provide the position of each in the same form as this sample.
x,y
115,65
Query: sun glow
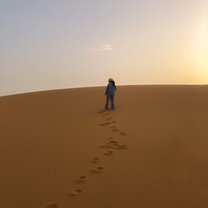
x,y
201,49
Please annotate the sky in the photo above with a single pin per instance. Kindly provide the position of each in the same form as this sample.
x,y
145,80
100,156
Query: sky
x,y
55,44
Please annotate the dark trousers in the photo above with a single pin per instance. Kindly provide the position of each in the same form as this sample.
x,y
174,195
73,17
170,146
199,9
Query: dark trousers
x,y
109,98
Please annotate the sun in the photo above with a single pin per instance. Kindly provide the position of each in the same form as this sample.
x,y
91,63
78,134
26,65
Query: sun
x,y
201,49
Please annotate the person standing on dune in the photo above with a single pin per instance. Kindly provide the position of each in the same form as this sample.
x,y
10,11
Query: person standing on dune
x,y
110,92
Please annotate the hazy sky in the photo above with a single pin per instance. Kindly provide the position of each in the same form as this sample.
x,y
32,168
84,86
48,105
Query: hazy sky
x,y
50,44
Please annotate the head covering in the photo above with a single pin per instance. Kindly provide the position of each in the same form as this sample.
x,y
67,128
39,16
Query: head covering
x,y
110,79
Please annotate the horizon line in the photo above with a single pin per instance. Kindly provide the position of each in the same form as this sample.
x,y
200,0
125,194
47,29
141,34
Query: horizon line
x,y
96,86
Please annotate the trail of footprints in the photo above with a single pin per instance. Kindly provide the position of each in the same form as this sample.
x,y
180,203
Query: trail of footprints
x,y
108,149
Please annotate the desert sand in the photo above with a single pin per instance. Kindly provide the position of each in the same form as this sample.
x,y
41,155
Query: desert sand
x,y
60,149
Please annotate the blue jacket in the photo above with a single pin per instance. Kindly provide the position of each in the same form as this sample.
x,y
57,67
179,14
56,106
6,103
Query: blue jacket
x,y
110,89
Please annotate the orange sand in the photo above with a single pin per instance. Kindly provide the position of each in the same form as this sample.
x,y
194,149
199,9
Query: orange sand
x,y
58,149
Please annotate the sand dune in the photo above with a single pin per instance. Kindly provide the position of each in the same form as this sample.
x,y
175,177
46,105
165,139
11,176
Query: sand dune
x,y
60,149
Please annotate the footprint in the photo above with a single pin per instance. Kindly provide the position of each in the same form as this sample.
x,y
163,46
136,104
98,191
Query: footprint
x,y
97,170
109,118
108,153
109,138
75,192
107,145
114,145
114,129
104,124
122,147
95,160
110,145
123,134
81,179
114,142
